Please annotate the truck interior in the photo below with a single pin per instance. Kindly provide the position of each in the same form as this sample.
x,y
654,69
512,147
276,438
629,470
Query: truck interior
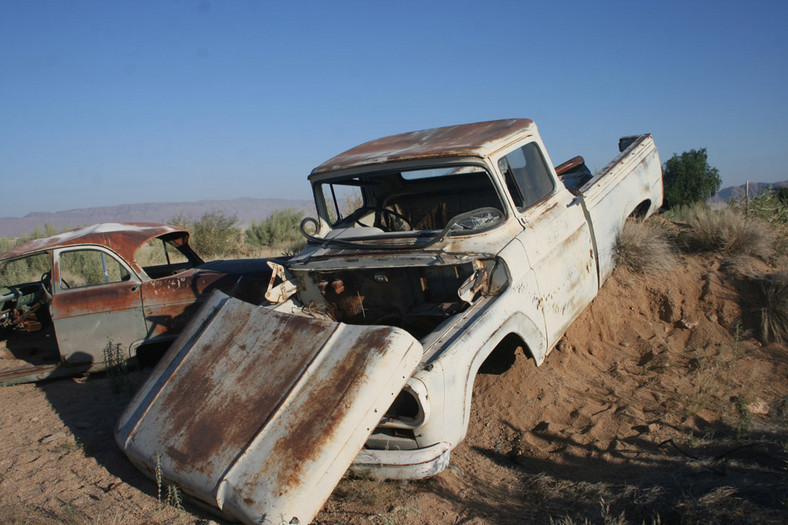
x,y
422,199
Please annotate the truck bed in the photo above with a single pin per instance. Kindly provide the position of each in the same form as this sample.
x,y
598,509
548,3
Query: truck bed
x,y
618,188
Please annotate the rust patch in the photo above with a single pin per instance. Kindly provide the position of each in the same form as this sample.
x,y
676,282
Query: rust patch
x,y
333,397
569,165
95,299
122,238
199,415
450,141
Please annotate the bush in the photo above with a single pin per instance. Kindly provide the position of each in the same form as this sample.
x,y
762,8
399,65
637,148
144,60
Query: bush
x,y
684,213
772,298
643,248
212,234
28,269
770,206
281,227
688,178
729,232
6,243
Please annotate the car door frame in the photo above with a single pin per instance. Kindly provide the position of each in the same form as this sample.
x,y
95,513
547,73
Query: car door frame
x,y
87,318
558,243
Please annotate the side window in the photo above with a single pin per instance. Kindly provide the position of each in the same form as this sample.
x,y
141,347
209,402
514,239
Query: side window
x,y
28,269
341,200
159,252
527,176
89,268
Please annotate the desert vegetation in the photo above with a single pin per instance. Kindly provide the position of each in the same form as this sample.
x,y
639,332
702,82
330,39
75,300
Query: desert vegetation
x,y
689,178
644,247
214,235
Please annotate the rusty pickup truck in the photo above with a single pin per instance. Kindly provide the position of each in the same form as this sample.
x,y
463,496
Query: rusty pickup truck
x,y
434,253
63,298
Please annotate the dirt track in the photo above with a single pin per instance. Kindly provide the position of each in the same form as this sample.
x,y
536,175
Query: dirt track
x,y
657,403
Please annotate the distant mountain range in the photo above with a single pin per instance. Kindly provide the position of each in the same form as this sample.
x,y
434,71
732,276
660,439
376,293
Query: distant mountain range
x,y
245,209
725,194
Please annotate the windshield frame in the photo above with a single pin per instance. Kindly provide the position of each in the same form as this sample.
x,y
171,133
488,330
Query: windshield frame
x,y
321,182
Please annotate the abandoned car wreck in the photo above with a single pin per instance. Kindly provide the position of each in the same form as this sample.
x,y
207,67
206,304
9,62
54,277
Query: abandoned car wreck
x,y
431,251
64,298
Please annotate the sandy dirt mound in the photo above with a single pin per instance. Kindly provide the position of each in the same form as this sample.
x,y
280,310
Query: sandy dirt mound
x,y
657,404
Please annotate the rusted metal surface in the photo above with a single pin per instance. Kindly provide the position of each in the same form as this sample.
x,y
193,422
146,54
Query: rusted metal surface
x,y
569,165
476,139
260,413
280,288
87,318
122,238
29,374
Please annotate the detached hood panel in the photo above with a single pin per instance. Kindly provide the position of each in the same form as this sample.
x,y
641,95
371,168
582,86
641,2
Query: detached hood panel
x,y
260,413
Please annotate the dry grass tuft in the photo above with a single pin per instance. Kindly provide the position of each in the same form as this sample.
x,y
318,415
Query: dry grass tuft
x,y
644,248
772,296
728,231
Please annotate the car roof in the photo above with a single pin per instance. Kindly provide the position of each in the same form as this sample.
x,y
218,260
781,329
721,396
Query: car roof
x,y
123,238
477,139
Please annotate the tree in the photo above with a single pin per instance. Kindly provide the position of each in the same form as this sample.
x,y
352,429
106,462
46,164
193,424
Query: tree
x,y
212,234
280,227
688,178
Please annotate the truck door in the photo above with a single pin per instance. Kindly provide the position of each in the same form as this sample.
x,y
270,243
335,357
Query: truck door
x,y
95,298
556,238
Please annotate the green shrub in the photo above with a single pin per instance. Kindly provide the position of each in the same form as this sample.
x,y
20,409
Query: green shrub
x,y
644,248
25,270
769,206
281,227
28,269
6,243
212,234
689,178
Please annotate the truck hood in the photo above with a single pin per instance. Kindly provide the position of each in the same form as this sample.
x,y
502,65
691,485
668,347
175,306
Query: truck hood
x,y
260,413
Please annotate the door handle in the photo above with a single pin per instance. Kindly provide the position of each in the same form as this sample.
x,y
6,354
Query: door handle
x,y
575,201
133,289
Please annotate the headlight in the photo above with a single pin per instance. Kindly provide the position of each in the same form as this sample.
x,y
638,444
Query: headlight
x,y
410,409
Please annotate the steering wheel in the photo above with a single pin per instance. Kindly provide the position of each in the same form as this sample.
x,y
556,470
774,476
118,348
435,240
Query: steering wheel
x,y
46,281
387,211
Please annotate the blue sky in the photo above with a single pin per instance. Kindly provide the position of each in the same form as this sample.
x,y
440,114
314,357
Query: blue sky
x,y
113,102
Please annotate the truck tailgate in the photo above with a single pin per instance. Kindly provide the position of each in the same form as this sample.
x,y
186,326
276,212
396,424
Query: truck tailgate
x,y
260,413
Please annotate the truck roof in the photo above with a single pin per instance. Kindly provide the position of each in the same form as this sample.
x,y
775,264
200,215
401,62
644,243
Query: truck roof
x,y
464,140
122,237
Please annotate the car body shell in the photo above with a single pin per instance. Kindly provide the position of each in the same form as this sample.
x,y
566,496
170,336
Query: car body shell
x,y
68,326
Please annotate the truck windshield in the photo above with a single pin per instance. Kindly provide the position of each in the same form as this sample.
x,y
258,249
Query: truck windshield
x,y
412,200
